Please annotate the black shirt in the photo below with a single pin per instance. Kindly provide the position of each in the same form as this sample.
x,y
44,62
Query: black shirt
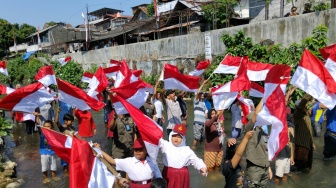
x,y
230,174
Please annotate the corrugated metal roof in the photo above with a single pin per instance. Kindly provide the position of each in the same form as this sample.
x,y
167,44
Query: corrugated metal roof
x,y
42,31
130,26
169,27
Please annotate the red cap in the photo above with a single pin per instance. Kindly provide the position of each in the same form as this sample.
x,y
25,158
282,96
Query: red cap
x,y
181,129
139,143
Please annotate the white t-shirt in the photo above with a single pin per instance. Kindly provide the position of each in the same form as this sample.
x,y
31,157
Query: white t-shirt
x,y
138,171
158,108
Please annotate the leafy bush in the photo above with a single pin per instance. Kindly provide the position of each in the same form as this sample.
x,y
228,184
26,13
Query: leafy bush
x,y
5,127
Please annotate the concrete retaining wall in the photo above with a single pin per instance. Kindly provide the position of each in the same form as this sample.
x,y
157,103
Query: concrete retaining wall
x,y
181,50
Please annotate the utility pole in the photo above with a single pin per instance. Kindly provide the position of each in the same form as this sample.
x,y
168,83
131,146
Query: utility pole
x,y
88,27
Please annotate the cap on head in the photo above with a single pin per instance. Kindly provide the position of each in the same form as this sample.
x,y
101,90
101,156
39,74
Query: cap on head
x,y
138,143
169,91
181,129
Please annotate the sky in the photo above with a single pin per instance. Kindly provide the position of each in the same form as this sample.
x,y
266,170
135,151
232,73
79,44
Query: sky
x,y
38,12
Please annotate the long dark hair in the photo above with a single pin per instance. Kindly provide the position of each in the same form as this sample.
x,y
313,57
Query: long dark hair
x,y
210,112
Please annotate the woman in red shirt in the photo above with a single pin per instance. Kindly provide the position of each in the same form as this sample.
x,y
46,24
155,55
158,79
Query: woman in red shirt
x,y
86,125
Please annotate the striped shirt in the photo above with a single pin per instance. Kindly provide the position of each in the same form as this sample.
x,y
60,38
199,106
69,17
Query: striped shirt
x,y
199,112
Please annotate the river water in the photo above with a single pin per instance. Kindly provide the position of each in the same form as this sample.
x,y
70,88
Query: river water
x,y
26,154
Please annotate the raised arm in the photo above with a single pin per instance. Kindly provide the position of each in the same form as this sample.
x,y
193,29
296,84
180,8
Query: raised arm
x,y
200,88
241,148
107,157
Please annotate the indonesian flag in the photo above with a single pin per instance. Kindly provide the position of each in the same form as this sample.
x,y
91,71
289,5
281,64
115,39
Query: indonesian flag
x,y
326,51
257,71
229,65
150,131
274,109
256,90
6,90
3,68
201,66
27,98
64,60
111,72
135,93
312,77
19,116
114,63
330,64
60,143
124,75
87,76
98,83
173,79
238,84
136,73
85,169
76,97
223,101
46,76
246,107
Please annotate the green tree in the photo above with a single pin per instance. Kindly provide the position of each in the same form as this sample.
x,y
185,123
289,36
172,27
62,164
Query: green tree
x,y
49,24
71,72
6,37
150,9
224,10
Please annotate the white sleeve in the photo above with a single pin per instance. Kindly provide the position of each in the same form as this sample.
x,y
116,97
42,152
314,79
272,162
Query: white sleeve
x,y
195,161
163,144
120,164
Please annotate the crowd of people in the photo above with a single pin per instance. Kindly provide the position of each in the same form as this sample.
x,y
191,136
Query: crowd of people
x,y
221,152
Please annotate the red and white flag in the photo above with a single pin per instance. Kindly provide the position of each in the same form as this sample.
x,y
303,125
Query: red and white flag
x,y
76,97
136,73
256,90
326,51
60,143
124,75
257,71
87,76
114,63
246,107
150,132
201,66
274,109
6,90
27,98
312,77
3,68
46,76
98,83
223,101
173,79
330,64
111,72
19,116
229,65
64,60
240,83
85,169
135,93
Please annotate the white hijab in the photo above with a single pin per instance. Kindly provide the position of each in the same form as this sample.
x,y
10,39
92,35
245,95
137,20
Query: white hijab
x,y
183,143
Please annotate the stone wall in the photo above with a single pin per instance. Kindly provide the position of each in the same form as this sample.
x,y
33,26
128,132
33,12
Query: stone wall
x,y
181,50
